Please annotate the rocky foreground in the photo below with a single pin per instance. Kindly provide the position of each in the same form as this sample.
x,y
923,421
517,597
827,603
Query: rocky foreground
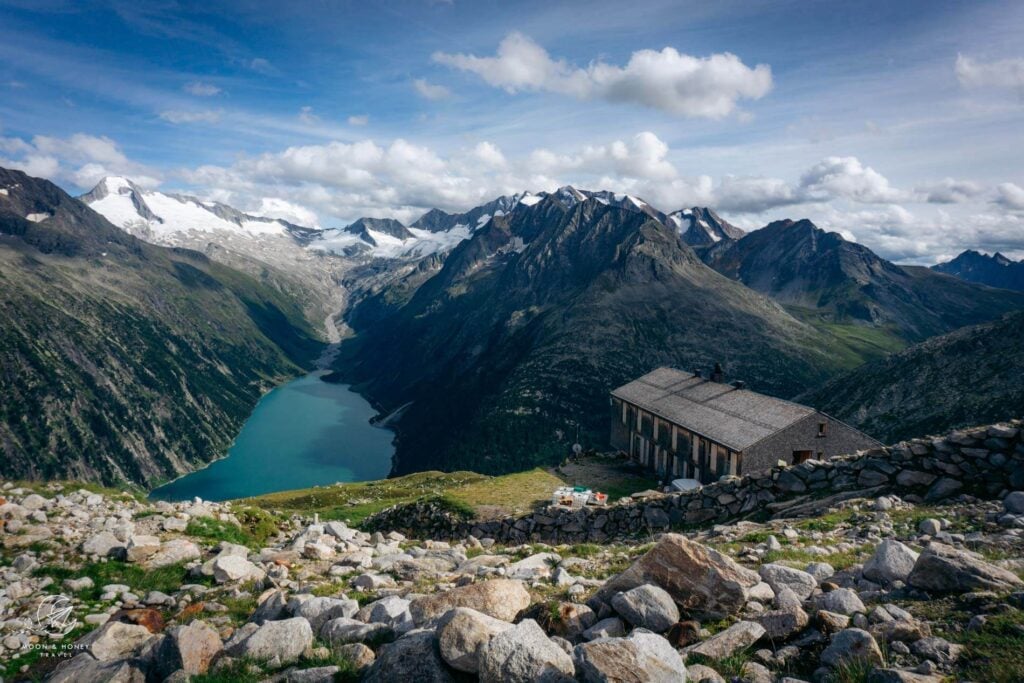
x,y
869,590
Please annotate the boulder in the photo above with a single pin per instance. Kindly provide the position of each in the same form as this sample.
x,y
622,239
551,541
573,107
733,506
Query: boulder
x,y
499,598
343,630
84,669
175,551
283,641
701,673
358,654
189,648
930,526
643,656
234,568
944,569
938,650
779,576
141,546
781,624
115,640
523,654
318,611
739,636
1013,503
849,645
462,632
648,607
606,628
271,606
392,611
698,579
538,566
412,658
842,601
891,562
102,544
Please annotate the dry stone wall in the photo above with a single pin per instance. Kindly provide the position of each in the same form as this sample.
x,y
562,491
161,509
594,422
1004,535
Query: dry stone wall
x,y
984,461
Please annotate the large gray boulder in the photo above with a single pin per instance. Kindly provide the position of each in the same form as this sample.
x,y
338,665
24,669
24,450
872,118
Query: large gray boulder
x,y
648,607
462,632
115,640
892,561
699,579
944,569
781,624
643,656
852,644
175,551
319,610
499,598
842,601
412,658
343,630
523,654
739,636
189,648
84,668
392,611
281,641
779,576
102,544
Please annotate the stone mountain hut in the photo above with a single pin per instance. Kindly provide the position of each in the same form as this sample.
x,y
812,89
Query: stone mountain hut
x,y
682,425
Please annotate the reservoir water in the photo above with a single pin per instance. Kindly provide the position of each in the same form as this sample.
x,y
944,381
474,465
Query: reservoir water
x,y
301,434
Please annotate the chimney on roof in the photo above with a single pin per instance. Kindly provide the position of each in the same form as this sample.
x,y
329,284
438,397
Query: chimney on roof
x,y
717,375
697,373
740,384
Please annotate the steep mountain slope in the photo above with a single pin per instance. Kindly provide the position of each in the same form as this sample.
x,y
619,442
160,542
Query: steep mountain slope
x,y
700,226
272,250
966,377
994,271
531,321
121,361
836,284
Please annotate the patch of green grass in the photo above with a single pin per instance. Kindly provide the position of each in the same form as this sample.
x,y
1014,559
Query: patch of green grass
x,y
259,524
728,667
456,506
164,579
760,537
995,653
850,671
827,521
217,530
583,550
839,560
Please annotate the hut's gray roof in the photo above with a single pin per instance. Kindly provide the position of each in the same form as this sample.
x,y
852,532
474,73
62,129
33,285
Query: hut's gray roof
x,y
737,418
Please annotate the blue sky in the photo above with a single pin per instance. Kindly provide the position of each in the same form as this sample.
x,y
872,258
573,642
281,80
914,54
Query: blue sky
x,y
898,124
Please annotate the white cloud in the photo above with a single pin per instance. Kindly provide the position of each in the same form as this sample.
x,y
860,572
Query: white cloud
x,y
201,89
431,91
262,66
1005,73
198,116
1010,196
680,84
754,195
275,207
360,120
307,116
950,191
489,155
81,159
846,177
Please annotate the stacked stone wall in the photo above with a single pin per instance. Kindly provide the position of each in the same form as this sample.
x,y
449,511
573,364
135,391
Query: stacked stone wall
x,y
984,461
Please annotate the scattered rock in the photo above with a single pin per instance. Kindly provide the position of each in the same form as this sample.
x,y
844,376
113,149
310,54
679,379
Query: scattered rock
x,y
944,569
523,654
647,607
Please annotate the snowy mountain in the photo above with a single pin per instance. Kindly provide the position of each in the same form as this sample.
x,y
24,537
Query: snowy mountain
x,y
701,226
164,218
272,249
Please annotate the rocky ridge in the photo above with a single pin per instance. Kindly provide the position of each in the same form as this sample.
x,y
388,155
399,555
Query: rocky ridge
x,y
880,587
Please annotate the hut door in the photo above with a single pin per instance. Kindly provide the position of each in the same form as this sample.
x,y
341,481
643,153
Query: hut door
x,y
704,459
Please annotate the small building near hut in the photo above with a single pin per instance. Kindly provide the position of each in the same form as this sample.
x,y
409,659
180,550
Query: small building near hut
x,y
682,425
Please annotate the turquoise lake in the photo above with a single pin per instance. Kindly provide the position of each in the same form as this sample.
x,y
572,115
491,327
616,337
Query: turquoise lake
x,y
301,434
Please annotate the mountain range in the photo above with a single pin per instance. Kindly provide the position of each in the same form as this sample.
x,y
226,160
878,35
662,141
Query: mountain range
x,y
122,361
960,379
995,270
823,278
489,338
